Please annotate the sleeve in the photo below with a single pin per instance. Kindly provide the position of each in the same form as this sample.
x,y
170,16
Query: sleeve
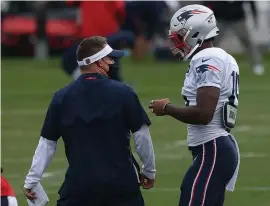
x,y
135,115
51,125
145,151
41,160
209,72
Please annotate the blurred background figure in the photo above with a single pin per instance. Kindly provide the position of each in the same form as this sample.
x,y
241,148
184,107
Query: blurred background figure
x,y
144,20
41,47
7,194
231,15
130,24
96,18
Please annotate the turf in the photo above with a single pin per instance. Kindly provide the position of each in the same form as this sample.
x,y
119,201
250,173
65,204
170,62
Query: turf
x,y
28,86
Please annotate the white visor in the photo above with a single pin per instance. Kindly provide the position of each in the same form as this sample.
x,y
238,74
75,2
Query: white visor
x,y
106,51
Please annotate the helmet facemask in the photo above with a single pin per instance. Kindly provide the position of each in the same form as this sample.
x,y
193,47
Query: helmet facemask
x,y
181,49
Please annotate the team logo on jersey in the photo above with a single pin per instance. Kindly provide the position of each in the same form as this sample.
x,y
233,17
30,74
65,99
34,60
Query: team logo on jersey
x,y
182,18
205,67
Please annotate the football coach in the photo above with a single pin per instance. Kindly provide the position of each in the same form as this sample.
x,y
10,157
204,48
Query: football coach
x,y
95,115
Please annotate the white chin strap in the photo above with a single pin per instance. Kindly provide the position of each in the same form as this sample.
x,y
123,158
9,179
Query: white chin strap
x,y
191,52
89,60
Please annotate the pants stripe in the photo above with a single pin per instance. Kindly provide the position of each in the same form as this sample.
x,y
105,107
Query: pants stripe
x,y
211,171
196,179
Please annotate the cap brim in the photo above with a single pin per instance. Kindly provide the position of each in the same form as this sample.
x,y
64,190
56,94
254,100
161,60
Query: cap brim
x,y
117,53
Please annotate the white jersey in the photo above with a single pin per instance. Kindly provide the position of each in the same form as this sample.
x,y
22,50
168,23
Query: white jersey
x,y
211,67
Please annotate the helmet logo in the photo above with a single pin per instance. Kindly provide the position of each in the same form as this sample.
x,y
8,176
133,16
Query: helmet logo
x,y
182,18
211,20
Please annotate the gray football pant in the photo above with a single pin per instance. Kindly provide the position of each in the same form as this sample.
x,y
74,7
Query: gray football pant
x,y
244,35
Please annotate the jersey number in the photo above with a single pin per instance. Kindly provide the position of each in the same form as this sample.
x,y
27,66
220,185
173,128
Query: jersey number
x,y
235,87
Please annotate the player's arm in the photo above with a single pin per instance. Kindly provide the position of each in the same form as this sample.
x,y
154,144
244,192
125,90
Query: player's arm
x,y
208,91
202,112
139,123
45,150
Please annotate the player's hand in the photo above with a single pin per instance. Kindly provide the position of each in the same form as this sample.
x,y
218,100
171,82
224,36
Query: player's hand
x,y
29,194
157,106
146,183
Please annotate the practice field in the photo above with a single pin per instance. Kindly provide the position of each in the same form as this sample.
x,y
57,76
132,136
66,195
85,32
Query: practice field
x,y
28,86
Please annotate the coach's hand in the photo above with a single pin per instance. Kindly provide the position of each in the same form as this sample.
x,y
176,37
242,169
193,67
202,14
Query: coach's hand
x,y
146,183
29,194
158,106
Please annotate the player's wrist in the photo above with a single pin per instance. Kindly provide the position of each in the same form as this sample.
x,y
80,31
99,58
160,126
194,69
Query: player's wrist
x,y
29,186
149,174
165,107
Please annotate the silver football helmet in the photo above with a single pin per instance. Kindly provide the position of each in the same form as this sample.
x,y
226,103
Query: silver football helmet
x,y
189,27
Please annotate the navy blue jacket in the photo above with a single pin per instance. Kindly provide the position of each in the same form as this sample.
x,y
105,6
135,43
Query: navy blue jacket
x,y
94,116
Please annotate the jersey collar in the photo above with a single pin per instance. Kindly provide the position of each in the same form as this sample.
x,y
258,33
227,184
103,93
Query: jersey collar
x,y
93,76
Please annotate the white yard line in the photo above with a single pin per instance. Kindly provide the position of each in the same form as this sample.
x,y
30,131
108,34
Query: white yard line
x,y
19,133
7,92
170,190
183,143
172,157
48,174
253,189
242,128
175,156
164,88
159,156
23,112
175,144
28,160
252,155
264,116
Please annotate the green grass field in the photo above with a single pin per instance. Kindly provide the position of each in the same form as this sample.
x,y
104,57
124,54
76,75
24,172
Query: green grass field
x,y
28,86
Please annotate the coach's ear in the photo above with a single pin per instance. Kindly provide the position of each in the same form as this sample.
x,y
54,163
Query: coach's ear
x,y
207,99
100,63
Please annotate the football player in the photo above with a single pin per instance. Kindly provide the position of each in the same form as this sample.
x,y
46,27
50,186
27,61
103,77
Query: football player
x,y
210,91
